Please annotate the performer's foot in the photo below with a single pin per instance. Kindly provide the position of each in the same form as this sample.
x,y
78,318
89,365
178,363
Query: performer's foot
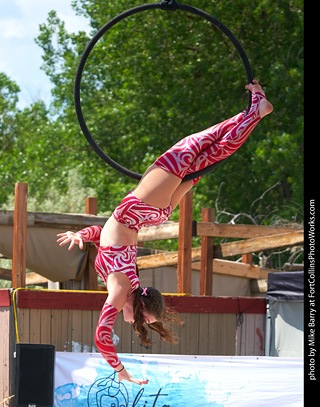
x,y
265,107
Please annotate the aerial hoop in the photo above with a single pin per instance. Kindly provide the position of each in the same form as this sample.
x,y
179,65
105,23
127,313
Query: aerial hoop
x,y
169,5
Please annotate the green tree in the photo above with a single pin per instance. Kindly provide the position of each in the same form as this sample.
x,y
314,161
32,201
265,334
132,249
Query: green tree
x,y
159,76
8,101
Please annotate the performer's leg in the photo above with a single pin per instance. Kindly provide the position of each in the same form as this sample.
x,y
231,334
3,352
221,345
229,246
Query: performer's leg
x,y
230,141
179,157
162,179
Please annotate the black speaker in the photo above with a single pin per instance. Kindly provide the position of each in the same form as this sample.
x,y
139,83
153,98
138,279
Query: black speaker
x,y
34,375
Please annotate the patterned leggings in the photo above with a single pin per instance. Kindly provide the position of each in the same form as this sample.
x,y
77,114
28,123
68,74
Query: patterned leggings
x,y
197,151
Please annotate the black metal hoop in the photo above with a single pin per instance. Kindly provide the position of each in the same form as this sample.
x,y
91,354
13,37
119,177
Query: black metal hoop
x,y
164,5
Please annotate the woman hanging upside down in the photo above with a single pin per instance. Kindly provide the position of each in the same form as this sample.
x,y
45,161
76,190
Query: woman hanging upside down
x,y
151,203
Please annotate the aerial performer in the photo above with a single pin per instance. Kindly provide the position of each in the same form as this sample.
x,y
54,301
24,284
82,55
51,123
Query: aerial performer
x,y
151,203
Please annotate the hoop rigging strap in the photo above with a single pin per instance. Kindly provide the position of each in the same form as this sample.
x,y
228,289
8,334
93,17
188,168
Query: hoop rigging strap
x,y
167,5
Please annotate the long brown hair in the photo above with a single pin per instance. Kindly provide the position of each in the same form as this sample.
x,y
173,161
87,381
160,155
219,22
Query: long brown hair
x,y
152,302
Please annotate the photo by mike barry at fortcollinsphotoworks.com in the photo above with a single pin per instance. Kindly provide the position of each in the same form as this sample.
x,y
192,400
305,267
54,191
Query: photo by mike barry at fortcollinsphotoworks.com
x,y
310,295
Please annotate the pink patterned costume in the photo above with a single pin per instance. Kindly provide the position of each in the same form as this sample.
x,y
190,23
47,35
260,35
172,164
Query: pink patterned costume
x,y
193,153
135,214
110,259
197,151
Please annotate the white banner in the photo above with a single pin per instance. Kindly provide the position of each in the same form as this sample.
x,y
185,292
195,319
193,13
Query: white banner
x,y
86,380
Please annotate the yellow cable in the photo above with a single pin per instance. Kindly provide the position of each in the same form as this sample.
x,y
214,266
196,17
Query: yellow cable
x,y
15,312
68,291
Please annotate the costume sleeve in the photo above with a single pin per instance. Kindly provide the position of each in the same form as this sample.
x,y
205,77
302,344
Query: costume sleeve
x,y
91,234
103,335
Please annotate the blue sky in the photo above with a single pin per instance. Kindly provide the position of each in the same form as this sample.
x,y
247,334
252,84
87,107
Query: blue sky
x,y
20,55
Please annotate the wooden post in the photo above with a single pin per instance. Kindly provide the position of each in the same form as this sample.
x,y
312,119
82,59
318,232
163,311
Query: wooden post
x,y
91,206
247,258
19,255
206,256
90,274
185,244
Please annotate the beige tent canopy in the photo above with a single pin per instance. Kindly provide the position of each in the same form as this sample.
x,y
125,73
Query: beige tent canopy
x,y
44,255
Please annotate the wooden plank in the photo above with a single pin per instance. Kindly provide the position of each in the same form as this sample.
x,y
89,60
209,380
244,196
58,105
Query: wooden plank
x,y
5,298
90,274
137,346
250,335
168,230
117,329
5,274
165,259
20,236
60,299
56,325
43,299
226,249
235,269
213,327
247,258
193,348
75,222
189,335
35,326
169,348
183,334
31,277
260,327
76,331
24,325
45,326
240,231
293,267
232,268
228,324
91,206
95,319
185,241
35,279
204,336
87,335
218,305
66,330
206,256
222,332
127,337
5,352
259,286
156,342
55,220
259,244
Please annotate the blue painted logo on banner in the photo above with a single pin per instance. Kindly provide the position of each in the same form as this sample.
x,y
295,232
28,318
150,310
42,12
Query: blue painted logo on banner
x,y
165,389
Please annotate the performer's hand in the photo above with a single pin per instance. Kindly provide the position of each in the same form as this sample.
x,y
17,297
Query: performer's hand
x,y
72,237
124,375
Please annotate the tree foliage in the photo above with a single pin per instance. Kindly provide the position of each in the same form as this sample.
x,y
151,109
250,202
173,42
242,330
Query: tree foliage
x,y
153,79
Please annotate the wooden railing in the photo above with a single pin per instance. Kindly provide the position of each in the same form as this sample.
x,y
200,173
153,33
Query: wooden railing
x,y
209,258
